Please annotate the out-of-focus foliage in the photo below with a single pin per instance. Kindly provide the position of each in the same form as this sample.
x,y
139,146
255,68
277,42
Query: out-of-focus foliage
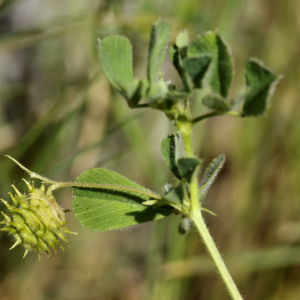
x,y
59,116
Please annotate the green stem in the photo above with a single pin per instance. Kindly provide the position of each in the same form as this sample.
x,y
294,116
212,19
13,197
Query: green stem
x,y
186,131
32,174
196,216
233,113
205,116
143,105
214,113
197,219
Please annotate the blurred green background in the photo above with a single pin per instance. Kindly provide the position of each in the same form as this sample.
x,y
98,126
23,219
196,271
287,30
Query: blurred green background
x,y
59,116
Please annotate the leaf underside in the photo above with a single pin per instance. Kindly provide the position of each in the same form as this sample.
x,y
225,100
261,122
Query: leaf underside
x,y
101,210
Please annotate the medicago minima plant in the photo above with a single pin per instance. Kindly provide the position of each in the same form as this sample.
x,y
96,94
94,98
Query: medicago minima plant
x,y
105,200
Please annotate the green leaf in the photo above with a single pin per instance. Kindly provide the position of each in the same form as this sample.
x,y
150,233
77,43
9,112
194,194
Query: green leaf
x,y
187,167
160,35
176,195
115,54
197,68
190,69
260,83
176,55
170,153
215,103
210,175
220,71
107,209
134,92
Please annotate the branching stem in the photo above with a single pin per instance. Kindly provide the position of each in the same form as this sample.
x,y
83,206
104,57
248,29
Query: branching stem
x,y
185,128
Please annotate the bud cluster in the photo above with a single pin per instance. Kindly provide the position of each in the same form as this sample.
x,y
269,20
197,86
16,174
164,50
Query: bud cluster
x,y
35,220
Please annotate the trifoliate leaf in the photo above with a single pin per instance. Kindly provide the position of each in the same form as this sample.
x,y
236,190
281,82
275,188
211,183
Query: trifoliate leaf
x,y
170,153
210,175
112,208
260,84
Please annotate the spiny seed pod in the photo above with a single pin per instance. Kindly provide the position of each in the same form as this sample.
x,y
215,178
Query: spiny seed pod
x,y
36,221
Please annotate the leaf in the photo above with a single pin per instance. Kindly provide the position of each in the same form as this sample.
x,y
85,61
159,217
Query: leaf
x,y
159,40
170,153
176,195
115,54
190,69
176,56
219,74
197,68
215,103
187,167
211,174
134,92
260,84
107,209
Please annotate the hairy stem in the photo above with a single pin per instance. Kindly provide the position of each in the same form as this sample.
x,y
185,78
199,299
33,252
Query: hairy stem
x,y
32,174
186,131
205,116
197,218
214,114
